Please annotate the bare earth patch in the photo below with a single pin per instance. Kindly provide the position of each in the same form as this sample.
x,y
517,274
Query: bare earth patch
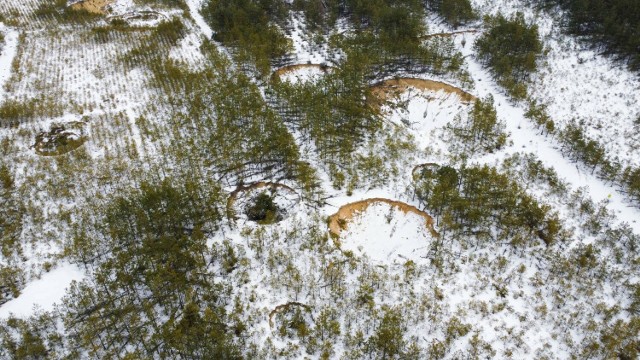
x,y
419,168
285,308
340,220
388,89
92,6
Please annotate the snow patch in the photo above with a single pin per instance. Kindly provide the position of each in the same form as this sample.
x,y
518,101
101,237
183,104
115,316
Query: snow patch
x,y
43,293
387,234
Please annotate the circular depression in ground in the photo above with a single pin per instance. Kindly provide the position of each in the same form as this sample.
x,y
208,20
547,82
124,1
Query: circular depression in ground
x,y
384,230
60,139
262,202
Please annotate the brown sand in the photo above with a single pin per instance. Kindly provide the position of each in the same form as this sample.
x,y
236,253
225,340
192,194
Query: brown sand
x,y
92,6
346,213
387,89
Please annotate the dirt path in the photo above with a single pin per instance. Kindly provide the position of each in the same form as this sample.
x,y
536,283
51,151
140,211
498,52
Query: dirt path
x,y
339,220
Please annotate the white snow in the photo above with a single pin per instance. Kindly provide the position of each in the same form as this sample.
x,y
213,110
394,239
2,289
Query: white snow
x,y
122,6
387,234
43,293
8,52
303,74
194,10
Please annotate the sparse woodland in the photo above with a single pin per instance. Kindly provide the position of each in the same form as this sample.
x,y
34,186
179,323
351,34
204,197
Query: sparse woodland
x,y
128,136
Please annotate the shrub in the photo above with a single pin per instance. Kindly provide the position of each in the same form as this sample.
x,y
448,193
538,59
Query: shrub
x,y
263,209
510,47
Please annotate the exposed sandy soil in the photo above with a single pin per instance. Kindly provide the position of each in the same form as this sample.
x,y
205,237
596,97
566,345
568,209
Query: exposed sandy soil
x,y
387,89
92,6
346,212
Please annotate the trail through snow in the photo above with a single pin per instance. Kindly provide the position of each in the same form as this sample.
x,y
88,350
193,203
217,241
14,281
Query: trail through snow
x,y
527,138
194,9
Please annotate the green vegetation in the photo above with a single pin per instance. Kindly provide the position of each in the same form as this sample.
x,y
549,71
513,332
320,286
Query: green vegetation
x,y
389,38
11,112
223,123
477,200
263,209
155,276
10,214
611,26
250,27
333,113
454,12
11,222
510,47
37,339
319,14
482,132
172,30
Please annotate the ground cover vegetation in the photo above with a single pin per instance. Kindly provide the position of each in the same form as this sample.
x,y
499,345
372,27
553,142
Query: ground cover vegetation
x,y
178,123
510,47
454,12
610,26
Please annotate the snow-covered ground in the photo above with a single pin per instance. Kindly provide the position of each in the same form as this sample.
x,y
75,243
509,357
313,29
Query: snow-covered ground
x,y
310,72
387,234
577,83
42,294
194,11
7,54
512,299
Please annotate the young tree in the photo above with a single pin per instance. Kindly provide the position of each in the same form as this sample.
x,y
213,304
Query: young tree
x,y
153,293
510,47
